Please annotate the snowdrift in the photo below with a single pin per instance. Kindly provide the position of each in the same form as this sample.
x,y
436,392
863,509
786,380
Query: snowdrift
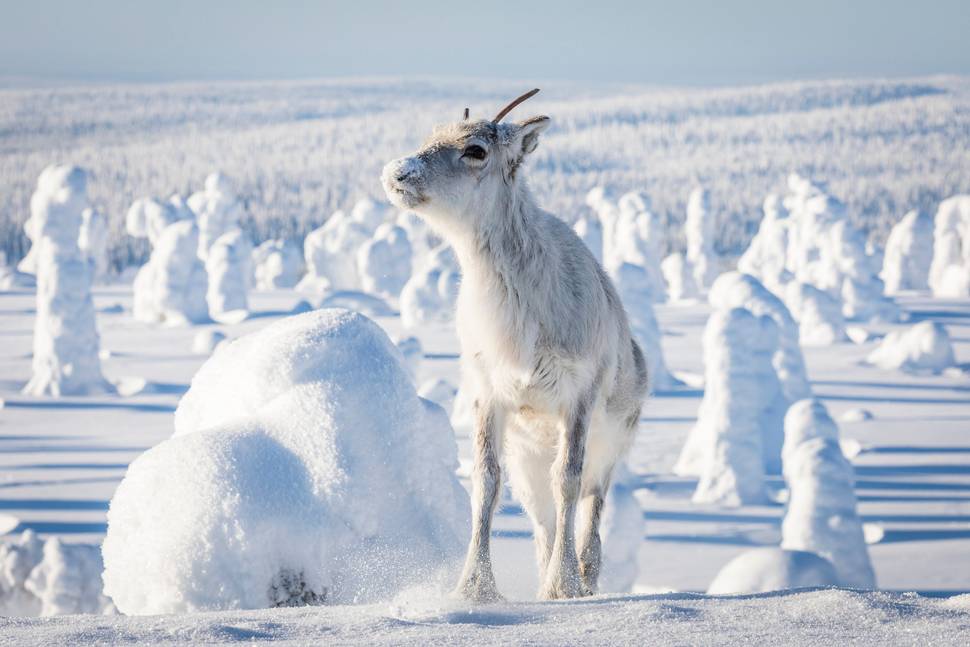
x,y
303,469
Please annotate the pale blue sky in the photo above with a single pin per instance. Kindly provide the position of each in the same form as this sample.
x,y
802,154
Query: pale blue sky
x,y
672,42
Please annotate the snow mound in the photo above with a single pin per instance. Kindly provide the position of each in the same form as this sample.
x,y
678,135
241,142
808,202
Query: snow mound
x,y
228,266
361,302
206,341
277,264
413,354
217,210
46,577
621,528
440,391
909,254
331,254
923,347
773,569
856,415
304,468
767,255
821,517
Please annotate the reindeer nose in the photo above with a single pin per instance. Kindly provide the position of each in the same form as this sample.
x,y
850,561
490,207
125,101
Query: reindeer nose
x,y
404,175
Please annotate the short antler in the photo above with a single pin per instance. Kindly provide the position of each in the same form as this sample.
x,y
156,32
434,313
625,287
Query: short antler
x,y
466,114
509,108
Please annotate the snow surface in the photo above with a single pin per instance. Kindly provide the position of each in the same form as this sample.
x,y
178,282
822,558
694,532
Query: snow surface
x,y
283,484
761,570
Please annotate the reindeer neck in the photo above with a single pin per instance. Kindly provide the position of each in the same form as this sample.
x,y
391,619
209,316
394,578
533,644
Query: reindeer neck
x,y
502,239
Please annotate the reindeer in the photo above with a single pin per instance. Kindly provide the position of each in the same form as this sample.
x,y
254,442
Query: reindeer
x,y
546,350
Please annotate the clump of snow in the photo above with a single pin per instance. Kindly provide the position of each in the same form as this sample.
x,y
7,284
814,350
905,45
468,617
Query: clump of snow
x,y
856,414
923,347
429,295
950,269
725,447
217,210
413,354
384,262
148,218
679,275
12,278
331,254
171,287
633,285
440,391
699,228
362,302
370,214
276,264
66,341
821,515
819,315
463,412
590,231
773,569
621,530
227,264
47,577
304,468
767,256
909,254
422,239
206,341
602,200
93,242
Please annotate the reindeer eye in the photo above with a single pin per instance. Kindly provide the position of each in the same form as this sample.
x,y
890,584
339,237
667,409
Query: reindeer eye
x,y
475,152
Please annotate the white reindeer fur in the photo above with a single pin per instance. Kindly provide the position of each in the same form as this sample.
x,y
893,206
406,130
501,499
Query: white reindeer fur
x,y
546,348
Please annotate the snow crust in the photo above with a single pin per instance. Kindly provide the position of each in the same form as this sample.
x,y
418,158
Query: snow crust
x,y
925,346
66,344
304,468
821,517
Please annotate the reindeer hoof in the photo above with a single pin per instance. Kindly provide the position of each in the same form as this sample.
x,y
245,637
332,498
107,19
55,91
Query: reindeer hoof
x,y
478,588
563,588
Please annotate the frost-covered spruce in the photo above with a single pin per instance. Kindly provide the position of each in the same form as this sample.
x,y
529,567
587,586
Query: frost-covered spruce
x,y
602,200
430,294
821,517
950,269
384,262
217,210
171,287
420,236
12,278
819,315
45,577
66,342
371,214
93,242
622,530
633,285
331,255
699,229
590,230
925,347
304,469
679,275
909,254
276,264
725,446
637,240
767,255
228,267
148,218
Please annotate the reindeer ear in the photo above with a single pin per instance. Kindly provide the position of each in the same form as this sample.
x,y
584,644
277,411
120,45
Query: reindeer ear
x,y
526,136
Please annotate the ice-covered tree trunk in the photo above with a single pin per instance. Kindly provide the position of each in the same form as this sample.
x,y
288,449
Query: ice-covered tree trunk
x,y
819,315
821,516
93,242
66,341
725,446
699,229
227,265
637,240
909,254
766,256
602,201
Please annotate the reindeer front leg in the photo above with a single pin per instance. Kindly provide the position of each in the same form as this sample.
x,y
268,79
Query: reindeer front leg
x,y
562,577
477,580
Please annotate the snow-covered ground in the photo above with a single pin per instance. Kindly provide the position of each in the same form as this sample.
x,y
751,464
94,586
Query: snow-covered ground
x,y
61,460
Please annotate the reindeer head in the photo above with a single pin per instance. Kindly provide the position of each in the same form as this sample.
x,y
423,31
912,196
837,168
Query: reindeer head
x,y
464,167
